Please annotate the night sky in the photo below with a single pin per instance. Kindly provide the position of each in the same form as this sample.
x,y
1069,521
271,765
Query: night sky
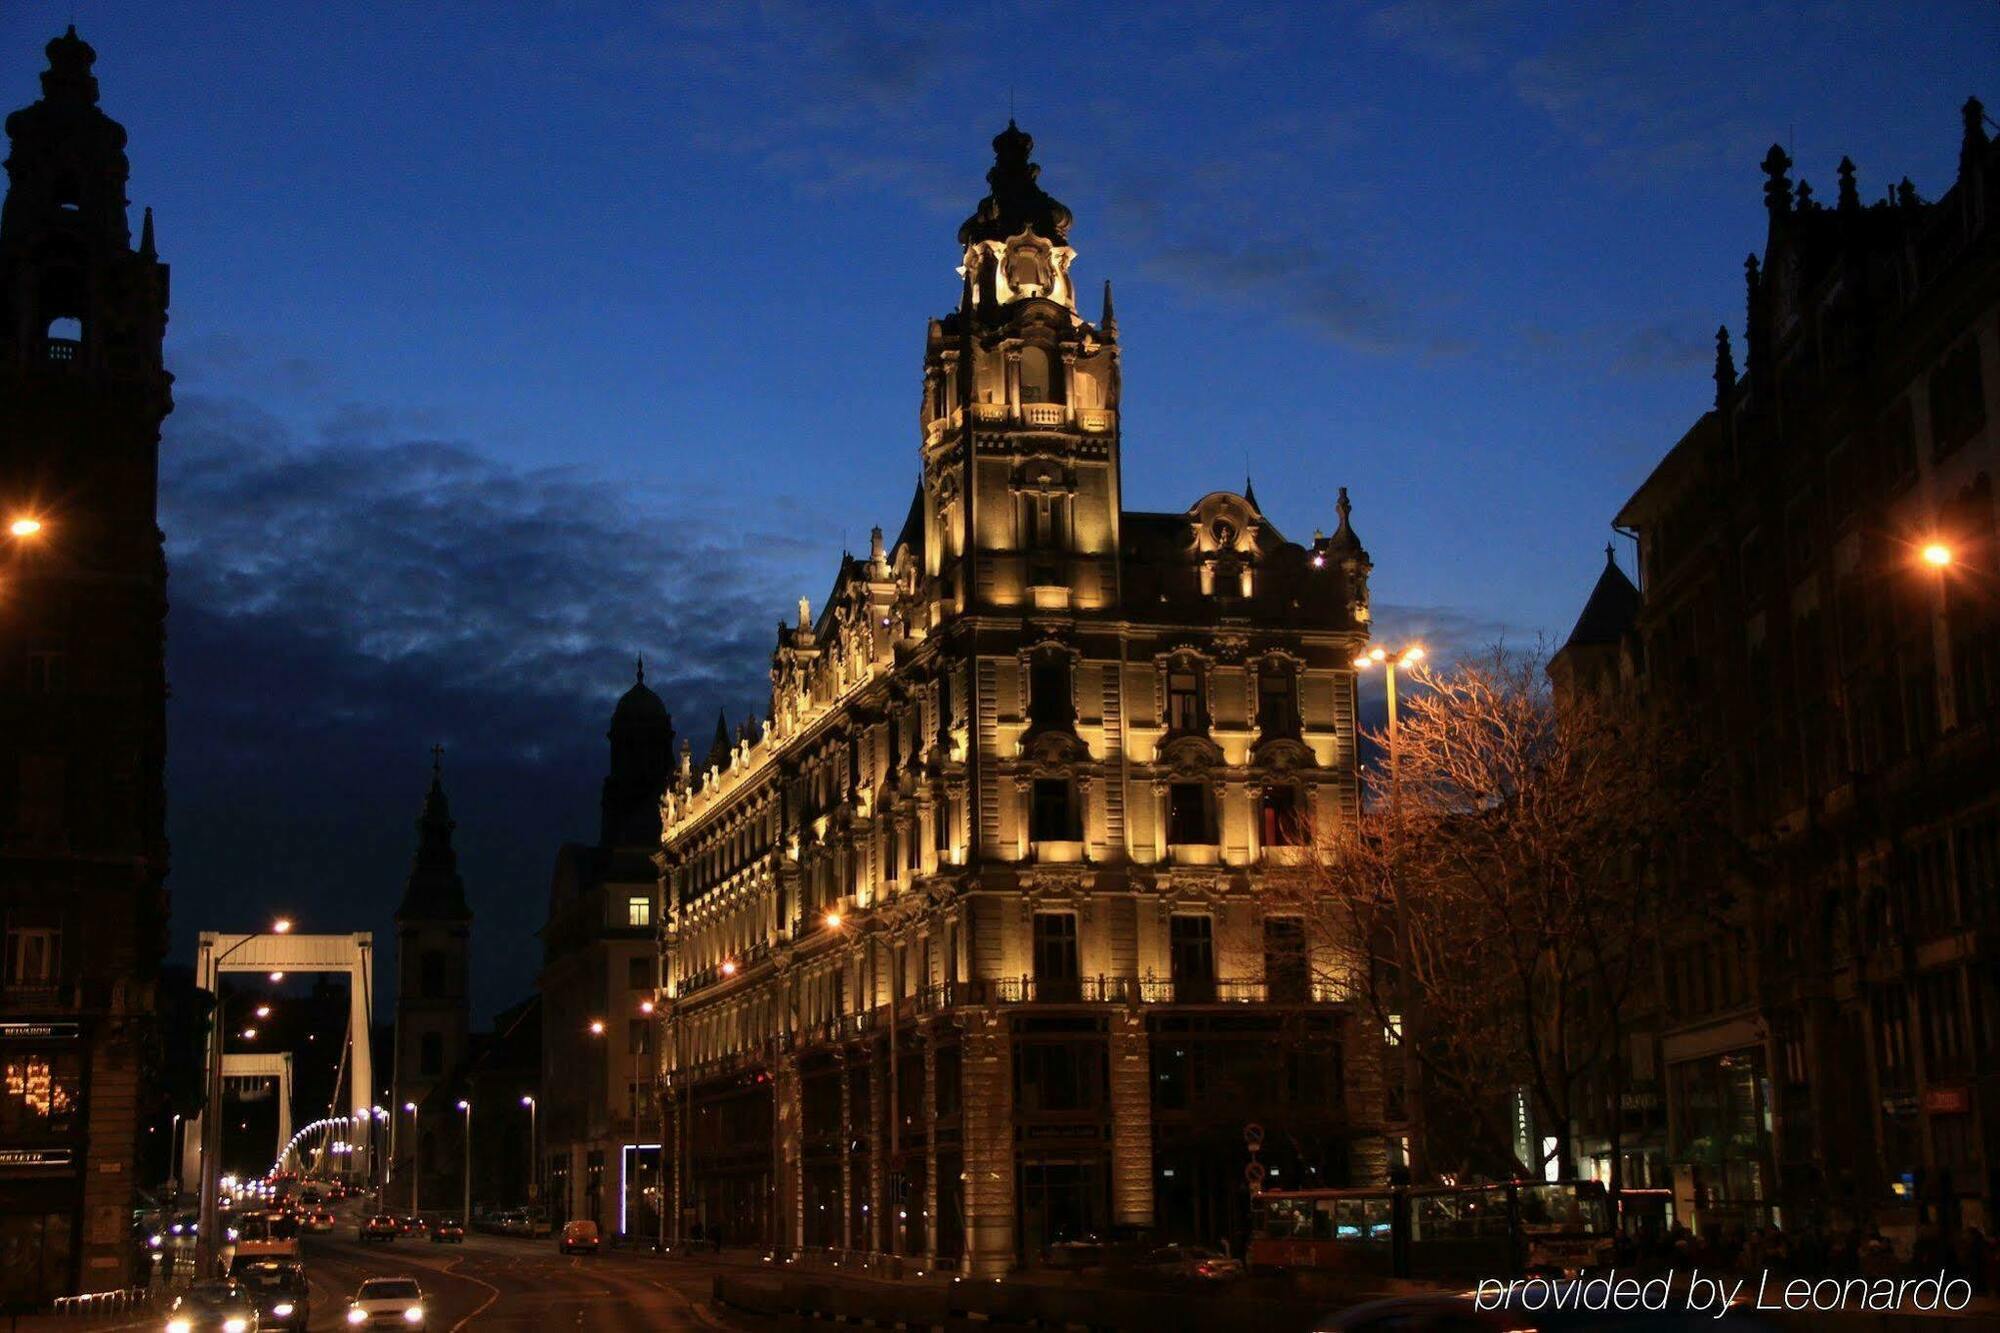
x,y
515,341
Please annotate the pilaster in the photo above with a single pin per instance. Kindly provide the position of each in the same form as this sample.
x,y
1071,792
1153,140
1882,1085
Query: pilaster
x,y
1131,1121
988,1099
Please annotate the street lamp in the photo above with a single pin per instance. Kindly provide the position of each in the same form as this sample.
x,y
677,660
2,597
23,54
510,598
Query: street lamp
x,y
1938,555
596,1027
211,1120
465,1212
1404,659
534,1153
25,526
416,1160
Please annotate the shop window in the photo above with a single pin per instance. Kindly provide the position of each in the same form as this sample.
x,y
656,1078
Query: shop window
x,y
39,1093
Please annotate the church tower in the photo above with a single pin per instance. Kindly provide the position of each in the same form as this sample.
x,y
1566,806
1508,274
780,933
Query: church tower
x,y
1020,414
642,760
433,1008
83,853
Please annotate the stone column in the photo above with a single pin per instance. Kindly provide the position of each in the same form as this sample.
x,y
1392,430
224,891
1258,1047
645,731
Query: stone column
x,y
988,1116
1131,1121
787,1162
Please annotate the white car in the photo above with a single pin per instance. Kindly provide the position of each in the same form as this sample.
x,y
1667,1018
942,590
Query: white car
x,y
387,1302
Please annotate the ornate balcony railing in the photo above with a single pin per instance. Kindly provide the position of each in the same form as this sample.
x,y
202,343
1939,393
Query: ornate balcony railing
x,y
1043,414
63,351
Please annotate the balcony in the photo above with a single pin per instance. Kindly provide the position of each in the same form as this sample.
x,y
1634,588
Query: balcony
x,y
1096,420
1043,414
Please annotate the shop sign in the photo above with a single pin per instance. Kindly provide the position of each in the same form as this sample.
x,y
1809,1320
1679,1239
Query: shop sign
x,y
28,1030
1947,1101
37,1156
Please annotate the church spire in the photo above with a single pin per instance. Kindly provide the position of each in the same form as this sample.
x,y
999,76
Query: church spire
x,y
434,891
1108,323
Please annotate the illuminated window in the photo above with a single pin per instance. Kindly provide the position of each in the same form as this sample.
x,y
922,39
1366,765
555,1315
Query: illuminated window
x,y
639,910
39,1092
1278,817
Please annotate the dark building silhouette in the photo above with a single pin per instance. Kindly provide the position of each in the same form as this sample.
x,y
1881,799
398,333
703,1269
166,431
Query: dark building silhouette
x,y
433,1010
600,965
83,853
1820,588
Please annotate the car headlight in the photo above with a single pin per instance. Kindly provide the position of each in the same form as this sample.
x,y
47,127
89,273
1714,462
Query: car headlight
x,y
282,1309
357,1315
415,1314
180,1326
236,1324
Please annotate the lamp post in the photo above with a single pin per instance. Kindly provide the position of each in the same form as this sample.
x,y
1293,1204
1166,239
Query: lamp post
x,y
416,1159
211,1119
465,1211
534,1154
1418,1157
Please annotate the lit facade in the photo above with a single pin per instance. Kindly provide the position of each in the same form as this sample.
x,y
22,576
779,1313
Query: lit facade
x,y
965,945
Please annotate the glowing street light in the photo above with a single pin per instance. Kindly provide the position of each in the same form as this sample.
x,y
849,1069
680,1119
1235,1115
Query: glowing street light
x,y
729,967
645,1006
833,920
25,526
596,1027
465,1213
1937,555
263,1011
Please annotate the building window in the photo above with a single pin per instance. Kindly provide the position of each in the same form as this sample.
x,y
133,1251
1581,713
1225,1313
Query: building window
x,y
1190,814
1059,1076
1278,817
1051,697
32,956
1287,975
430,974
1277,700
1056,971
1184,711
39,1092
1191,942
1038,378
1957,400
639,974
430,1054
639,910
1053,817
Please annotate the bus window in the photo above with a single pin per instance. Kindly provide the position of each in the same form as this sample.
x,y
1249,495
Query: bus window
x,y
1288,1219
1564,1207
1323,1219
1364,1218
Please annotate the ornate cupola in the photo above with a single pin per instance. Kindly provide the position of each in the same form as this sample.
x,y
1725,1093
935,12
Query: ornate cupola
x,y
1017,241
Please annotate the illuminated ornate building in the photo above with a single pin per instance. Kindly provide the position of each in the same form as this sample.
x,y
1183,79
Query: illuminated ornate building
x,y
1819,566
83,851
966,946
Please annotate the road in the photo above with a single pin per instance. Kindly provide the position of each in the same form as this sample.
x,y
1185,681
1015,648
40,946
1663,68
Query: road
x,y
504,1282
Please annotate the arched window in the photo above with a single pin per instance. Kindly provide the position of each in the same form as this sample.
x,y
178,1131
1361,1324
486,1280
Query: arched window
x,y
1039,383
66,327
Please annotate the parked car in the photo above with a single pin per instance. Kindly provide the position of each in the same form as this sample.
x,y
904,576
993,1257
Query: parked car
x,y
1197,1262
413,1225
447,1229
278,1286
579,1237
387,1302
213,1307
380,1227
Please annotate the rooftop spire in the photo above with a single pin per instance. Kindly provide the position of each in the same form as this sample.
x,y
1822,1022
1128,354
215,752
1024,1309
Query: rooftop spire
x,y
1108,323
1725,370
1777,184
1850,197
1016,201
434,891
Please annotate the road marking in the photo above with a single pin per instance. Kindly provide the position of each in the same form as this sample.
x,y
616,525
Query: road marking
x,y
452,1268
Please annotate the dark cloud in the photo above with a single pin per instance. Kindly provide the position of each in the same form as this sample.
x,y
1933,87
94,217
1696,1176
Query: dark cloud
x,y
342,603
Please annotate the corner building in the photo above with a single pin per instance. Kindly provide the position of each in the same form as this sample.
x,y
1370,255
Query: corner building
x,y
965,948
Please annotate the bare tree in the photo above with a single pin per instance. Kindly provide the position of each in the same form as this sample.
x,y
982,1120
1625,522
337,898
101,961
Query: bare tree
x,y
1505,921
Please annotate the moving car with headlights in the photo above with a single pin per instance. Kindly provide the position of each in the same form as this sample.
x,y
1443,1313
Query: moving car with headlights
x,y
213,1307
380,1227
447,1230
278,1286
387,1302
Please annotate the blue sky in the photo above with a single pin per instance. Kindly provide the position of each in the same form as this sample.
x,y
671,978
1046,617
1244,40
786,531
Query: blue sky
x,y
515,340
